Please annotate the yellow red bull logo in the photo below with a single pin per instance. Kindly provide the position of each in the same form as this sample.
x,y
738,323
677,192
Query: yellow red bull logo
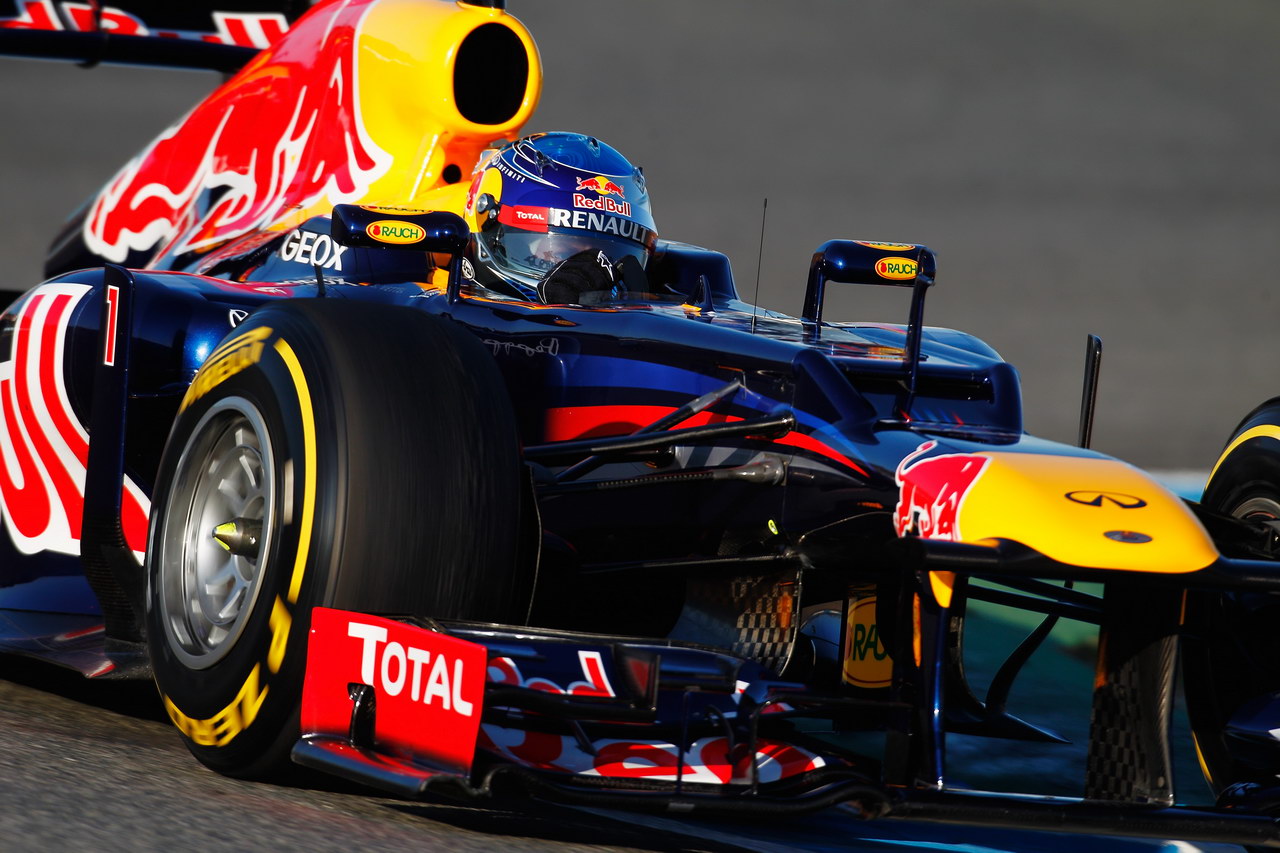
x,y
888,247
395,231
601,185
897,269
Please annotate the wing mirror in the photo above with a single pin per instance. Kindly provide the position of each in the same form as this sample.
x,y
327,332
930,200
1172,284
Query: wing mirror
x,y
436,231
862,262
859,262
397,228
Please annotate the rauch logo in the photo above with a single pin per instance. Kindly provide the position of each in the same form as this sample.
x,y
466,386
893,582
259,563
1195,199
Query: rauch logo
x,y
392,231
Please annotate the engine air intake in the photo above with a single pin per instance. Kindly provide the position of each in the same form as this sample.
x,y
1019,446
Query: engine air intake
x,y
490,75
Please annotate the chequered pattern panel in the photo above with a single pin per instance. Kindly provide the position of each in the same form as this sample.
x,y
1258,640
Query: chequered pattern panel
x,y
766,623
1129,757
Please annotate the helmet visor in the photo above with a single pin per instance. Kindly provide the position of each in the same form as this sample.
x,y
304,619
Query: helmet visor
x,y
533,254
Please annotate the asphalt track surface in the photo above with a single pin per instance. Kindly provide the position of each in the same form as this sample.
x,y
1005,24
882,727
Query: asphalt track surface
x,y
1078,166
95,766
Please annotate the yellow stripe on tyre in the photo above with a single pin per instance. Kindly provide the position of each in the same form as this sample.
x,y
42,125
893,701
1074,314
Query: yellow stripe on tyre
x,y
222,727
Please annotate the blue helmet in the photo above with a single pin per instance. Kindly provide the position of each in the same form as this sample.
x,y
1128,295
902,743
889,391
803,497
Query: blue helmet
x,y
542,199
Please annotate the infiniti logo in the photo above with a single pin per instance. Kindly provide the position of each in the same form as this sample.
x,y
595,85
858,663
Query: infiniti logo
x,y
1131,537
1119,499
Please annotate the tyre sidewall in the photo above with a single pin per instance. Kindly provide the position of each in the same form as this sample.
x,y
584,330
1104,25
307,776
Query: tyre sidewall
x,y
397,471
233,712
1220,660
1250,468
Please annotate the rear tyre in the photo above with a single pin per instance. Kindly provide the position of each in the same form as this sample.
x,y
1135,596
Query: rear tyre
x,y
1231,652
329,453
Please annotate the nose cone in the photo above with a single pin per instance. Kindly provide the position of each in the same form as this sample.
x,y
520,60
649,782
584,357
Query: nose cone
x,y
1090,512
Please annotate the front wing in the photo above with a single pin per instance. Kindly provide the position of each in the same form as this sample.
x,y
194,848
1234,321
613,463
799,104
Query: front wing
x,y
466,710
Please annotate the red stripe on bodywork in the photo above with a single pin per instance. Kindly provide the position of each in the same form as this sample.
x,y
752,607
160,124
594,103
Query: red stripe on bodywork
x,y
579,422
808,442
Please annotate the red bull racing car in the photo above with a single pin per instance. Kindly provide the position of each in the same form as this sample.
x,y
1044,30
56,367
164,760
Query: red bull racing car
x,y
276,435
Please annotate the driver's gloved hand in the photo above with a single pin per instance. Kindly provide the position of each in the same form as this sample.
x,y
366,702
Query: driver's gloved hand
x,y
588,272
631,274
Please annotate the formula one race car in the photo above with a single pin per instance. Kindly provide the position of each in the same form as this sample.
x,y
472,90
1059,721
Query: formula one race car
x,y
420,460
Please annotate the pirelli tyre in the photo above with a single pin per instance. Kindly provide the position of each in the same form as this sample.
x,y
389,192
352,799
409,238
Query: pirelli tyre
x,y
333,453
1231,647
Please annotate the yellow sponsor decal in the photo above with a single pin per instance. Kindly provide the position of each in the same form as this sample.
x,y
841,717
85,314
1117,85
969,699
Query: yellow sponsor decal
x,y
866,662
897,269
226,361
395,231
888,247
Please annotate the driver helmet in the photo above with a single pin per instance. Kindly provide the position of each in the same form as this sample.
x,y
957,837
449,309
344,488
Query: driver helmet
x,y
540,200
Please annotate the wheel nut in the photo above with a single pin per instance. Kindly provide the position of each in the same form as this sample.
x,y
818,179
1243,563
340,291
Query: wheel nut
x,y
239,536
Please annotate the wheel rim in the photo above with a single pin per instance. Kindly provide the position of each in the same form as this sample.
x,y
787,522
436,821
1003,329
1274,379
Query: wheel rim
x,y
1260,508
1265,509
216,533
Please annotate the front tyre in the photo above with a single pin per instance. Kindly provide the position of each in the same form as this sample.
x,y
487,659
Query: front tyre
x,y
1231,652
328,453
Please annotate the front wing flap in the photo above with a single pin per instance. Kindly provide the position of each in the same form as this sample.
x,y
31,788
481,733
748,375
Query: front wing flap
x,y
466,709
406,707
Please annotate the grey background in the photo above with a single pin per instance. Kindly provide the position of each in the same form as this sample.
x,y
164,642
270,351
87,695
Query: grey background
x,y
1078,165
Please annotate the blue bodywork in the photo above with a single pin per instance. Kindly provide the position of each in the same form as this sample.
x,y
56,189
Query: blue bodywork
x,y
575,372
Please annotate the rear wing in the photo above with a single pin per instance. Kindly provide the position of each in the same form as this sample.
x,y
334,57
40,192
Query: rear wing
x,y
218,35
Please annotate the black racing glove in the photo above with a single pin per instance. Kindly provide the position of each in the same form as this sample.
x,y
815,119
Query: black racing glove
x,y
586,277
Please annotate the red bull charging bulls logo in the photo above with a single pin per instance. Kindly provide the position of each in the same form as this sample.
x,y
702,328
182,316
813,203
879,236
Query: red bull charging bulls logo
x,y
600,185
604,190
42,466
932,491
278,138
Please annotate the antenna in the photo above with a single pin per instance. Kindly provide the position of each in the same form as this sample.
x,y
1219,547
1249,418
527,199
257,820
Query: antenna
x,y
1089,401
755,300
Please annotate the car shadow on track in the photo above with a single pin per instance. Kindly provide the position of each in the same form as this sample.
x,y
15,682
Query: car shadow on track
x,y
548,822
135,698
